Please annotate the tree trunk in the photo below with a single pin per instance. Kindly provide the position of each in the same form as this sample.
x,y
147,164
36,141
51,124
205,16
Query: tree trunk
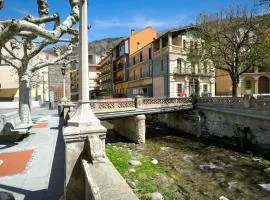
x,y
24,104
235,82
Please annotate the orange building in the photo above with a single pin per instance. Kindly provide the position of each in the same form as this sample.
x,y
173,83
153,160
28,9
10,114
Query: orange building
x,y
120,57
223,83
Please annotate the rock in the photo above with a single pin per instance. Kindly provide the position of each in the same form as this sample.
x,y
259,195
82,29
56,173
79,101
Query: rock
x,y
129,150
223,198
267,170
154,162
134,162
188,158
165,148
131,184
265,186
232,185
156,196
256,159
209,166
1,162
114,146
131,170
233,158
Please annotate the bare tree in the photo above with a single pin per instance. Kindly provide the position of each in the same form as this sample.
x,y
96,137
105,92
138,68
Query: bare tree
x,y
234,40
23,39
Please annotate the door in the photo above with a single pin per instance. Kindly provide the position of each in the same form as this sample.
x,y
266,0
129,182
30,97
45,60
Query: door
x,y
263,85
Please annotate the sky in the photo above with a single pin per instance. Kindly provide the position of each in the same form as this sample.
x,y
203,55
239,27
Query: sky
x,y
115,18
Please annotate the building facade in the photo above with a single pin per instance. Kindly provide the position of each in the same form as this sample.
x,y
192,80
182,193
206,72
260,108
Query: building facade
x,y
140,72
121,54
105,76
174,75
94,87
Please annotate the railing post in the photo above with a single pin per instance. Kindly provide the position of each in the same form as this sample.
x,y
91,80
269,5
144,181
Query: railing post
x,y
138,101
247,101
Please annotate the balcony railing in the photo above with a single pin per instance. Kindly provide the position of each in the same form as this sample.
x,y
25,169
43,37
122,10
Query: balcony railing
x,y
167,49
140,76
191,72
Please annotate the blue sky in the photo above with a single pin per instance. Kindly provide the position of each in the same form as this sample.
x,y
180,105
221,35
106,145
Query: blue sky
x,y
115,18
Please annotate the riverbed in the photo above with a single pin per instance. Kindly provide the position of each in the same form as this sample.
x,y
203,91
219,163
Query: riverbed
x,y
188,167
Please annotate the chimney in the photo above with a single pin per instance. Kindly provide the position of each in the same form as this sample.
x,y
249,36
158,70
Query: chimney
x,y
132,31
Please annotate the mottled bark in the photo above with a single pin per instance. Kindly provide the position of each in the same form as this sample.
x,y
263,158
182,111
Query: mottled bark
x,y
24,103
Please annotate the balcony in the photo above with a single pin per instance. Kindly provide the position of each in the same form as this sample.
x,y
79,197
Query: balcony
x,y
190,72
140,76
168,49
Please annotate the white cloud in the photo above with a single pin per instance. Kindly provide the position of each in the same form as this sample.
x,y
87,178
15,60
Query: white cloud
x,y
138,22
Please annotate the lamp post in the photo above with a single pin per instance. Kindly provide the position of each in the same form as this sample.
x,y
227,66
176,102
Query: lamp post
x,y
63,71
83,115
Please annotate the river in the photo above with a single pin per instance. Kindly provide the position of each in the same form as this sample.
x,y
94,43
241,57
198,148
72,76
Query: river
x,y
191,168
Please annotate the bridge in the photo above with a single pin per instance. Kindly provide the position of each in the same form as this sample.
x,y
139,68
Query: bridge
x,y
120,108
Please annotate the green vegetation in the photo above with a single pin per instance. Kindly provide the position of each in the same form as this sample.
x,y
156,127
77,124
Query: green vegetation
x,y
178,175
264,163
147,176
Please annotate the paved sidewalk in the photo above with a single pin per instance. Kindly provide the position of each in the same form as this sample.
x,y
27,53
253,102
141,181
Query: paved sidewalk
x,y
43,177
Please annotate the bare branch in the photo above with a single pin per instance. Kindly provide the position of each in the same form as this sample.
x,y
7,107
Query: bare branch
x,y
58,60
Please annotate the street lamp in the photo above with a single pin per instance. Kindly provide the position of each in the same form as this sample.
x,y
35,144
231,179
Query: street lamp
x,y
63,71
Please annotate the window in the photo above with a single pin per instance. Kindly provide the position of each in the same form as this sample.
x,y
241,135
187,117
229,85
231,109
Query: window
x,y
141,57
150,53
141,72
134,60
193,68
248,84
179,89
184,44
191,45
205,88
138,46
161,65
205,67
179,65
133,74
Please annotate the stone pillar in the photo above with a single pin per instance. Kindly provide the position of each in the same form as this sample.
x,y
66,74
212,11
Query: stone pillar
x,y
247,101
132,128
256,82
139,102
83,124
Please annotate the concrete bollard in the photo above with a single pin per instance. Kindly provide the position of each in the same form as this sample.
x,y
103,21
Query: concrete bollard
x,y
247,101
138,101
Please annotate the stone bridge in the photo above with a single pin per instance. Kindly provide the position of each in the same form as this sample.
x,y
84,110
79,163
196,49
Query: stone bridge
x,y
128,115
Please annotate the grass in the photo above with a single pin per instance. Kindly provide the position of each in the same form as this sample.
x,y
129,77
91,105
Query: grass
x,y
146,176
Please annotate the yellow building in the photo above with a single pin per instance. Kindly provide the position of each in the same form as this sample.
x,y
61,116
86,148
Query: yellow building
x,y
140,72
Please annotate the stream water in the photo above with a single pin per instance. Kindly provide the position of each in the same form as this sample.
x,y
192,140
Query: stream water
x,y
201,169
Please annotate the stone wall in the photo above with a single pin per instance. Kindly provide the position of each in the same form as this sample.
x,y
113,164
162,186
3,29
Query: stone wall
x,y
236,127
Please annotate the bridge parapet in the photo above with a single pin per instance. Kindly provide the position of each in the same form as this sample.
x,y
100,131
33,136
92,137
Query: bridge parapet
x,y
236,102
112,106
165,102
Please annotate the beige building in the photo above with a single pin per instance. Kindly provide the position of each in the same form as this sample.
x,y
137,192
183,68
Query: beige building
x,y
9,82
256,81
94,86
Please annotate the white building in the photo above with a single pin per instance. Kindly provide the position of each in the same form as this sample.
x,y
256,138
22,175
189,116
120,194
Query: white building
x,y
174,74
